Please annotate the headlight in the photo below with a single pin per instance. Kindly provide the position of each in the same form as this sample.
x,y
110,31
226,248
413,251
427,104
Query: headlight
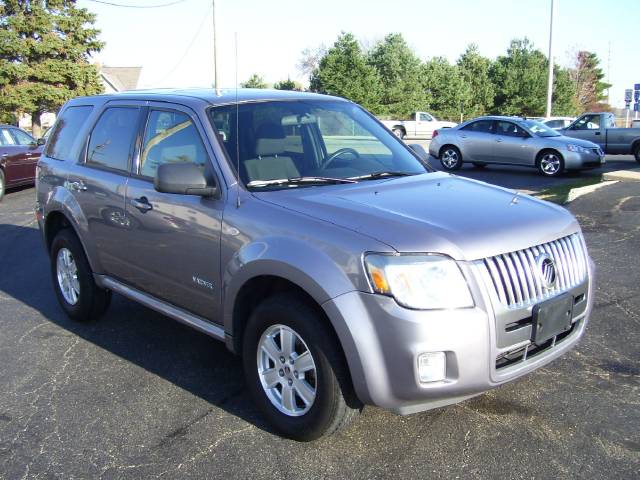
x,y
577,148
419,281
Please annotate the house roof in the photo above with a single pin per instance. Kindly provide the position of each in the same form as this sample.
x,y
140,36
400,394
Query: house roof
x,y
121,78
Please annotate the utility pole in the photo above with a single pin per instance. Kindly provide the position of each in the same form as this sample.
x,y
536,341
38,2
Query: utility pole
x,y
215,48
550,83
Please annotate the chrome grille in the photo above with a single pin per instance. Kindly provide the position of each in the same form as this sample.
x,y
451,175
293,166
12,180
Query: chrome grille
x,y
515,278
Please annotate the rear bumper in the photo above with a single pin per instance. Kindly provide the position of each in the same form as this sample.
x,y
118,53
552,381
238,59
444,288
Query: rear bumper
x,y
382,341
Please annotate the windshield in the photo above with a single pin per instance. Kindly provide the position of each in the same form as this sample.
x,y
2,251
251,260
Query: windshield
x,y
540,129
320,141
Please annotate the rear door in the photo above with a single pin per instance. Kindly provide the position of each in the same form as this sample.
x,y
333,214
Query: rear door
x,y
588,127
13,158
512,145
174,239
99,182
476,141
31,153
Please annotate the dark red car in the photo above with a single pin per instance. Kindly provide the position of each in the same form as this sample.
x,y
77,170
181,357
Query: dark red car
x,y
19,154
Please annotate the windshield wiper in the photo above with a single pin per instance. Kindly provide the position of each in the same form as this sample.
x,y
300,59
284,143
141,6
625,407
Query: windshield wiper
x,y
373,176
299,181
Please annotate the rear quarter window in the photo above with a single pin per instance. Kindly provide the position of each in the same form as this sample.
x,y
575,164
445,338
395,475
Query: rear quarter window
x,y
66,130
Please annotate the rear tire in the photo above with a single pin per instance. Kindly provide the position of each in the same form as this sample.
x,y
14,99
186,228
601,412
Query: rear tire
x,y
450,158
398,132
550,163
2,185
77,292
320,398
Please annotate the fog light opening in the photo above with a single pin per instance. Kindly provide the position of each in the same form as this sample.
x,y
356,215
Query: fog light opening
x,y
432,367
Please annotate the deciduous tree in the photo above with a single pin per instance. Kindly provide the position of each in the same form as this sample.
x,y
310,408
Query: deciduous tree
x,y
587,77
255,81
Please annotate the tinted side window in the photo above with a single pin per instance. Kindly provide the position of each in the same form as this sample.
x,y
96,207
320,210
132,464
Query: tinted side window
x,y
424,117
555,123
65,132
481,126
509,129
21,137
6,138
112,138
170,137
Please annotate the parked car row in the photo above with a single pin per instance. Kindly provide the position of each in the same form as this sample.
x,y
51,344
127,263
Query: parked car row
x,y
529,143
19,154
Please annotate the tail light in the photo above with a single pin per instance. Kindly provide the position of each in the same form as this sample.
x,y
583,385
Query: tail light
x,y
435,134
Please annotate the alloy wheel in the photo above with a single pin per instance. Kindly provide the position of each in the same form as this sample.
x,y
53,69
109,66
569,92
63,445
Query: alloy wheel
x,y
287,370
550,163
450,158
67,274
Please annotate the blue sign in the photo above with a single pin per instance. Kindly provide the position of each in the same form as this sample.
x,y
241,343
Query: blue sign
x,y
635,107
636,86
636,95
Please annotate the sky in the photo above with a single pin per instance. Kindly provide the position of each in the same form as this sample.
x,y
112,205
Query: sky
x,y
174,44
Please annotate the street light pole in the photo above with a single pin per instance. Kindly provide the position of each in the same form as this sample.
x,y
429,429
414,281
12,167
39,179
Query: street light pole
x,y
550,83
215,48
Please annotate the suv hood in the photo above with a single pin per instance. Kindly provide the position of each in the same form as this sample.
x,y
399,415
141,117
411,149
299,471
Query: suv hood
x,y
434,212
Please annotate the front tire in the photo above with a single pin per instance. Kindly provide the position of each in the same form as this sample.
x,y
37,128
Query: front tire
x,y
450,158
295,370
77,292
550,164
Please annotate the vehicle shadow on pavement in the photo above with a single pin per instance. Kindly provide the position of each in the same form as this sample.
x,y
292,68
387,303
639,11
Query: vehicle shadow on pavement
x,y
180,355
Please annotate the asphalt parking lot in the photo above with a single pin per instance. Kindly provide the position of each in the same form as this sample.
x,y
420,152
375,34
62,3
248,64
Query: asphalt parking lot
x,y
137,395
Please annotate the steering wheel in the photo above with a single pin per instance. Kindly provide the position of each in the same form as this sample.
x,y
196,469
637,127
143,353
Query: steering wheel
x,y
340,152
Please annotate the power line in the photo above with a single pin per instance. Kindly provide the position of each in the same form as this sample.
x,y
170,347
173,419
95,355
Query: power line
x,y
175,67
113,4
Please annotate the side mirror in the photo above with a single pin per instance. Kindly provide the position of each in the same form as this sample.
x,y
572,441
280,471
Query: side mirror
x,y
41,141
183,179
419,151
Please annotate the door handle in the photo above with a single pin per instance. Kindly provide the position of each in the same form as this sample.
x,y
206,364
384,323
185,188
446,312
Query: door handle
x,y
142,204
499,140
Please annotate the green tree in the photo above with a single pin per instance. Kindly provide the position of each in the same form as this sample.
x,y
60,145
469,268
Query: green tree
x,y
520,80
45,47
564,100
474,69
255,81
587,77
400,72
288,84
447,91
345,72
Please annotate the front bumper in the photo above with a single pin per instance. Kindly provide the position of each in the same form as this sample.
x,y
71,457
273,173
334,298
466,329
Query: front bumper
x,y
583,160
382,340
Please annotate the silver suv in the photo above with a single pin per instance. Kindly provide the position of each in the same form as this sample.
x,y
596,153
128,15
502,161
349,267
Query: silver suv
x,y
298,230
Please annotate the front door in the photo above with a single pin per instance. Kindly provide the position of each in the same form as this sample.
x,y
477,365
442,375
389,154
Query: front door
x,y
512,145
588,128
174,248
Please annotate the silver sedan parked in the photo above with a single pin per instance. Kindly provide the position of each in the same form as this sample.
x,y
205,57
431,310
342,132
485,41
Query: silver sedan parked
x,y
513,141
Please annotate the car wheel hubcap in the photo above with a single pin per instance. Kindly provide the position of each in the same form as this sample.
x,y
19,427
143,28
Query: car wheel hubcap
x,y
450,158
550,164
287,370
67,273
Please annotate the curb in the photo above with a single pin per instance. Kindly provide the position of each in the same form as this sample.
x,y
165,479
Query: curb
x,y
623,175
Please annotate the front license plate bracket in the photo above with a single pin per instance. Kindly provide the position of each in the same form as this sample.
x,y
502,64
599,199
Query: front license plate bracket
x,y
551,318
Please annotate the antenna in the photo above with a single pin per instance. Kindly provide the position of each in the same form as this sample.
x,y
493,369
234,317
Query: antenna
x,y
237,129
